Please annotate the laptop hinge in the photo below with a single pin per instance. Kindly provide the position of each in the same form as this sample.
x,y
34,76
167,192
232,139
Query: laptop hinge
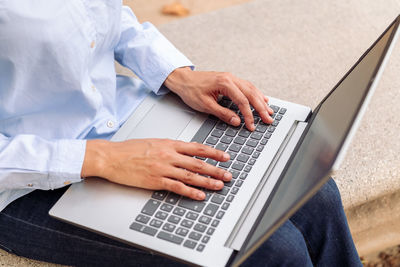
x,y
256,203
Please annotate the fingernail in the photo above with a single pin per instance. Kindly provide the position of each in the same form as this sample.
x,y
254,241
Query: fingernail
x,y
226,156
218,184
270,110
201,195
227,176
234,120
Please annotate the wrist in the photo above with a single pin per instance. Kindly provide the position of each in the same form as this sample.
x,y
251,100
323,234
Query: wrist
x,y
177,79
96,158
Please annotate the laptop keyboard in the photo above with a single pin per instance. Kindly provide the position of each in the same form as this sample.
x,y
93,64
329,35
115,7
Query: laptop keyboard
x,y
191,223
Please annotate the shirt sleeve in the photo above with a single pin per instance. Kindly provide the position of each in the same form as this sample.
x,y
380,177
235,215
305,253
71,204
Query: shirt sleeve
x,y
144,50
31,162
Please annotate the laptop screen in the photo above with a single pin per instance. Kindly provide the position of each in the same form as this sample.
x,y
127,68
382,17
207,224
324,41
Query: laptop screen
x,y
310,166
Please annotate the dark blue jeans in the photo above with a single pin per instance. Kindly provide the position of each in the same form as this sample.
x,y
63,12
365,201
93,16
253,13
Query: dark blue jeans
x,y
317,235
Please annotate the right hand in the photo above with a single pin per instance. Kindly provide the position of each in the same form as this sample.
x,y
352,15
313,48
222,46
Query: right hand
x,y
157,164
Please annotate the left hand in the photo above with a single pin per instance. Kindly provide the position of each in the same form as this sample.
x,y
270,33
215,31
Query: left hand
x,y
200,90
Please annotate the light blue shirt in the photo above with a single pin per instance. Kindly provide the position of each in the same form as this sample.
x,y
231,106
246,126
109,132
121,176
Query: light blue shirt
x,y
58,85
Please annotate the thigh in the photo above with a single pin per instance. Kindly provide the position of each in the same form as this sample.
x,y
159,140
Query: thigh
x,y
285,247
27,230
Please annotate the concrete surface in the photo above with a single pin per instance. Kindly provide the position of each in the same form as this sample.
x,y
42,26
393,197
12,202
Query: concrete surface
x,y
297,51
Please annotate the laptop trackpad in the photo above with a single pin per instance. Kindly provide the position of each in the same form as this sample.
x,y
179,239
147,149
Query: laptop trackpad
x,y
163,120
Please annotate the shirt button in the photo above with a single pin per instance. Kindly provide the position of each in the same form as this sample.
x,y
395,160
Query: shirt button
x,y
30,185
110,124
92,44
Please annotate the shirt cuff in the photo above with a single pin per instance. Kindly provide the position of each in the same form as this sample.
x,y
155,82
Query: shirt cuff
x,y
66,163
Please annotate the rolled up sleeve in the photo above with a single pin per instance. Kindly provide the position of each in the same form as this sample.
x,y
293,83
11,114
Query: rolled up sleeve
x,y
144,50
31,162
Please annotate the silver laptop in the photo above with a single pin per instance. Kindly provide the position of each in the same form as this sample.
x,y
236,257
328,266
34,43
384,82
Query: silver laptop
x,y
276,169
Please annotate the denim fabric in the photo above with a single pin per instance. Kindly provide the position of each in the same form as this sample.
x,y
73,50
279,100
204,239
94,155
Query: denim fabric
x,y
317,235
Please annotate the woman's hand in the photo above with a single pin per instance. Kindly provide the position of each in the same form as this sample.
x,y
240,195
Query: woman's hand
x,y
200,90
157,164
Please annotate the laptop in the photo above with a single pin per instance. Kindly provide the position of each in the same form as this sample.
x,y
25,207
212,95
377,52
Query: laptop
x,y
276,169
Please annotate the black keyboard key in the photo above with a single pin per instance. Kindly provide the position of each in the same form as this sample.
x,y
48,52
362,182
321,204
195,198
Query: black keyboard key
x,y
234,107
222,147
260,148
282,111
221,126
156,223
143,228
166,207
243,176
179,211
191,204
212,140
208,195
261,128
274,108
271,129
226,139
275,123
168,227
187,223
225,102
220,214
210,231
230,198
217,198
248,150
234,191
172,198
238,166
189,244
235,147
215,223
192,215
142,218
267,135
252,142
239,183
244,133
247,168
160,195
225,164
224,191
231,132
256,135
243,158
256,154
174,219
161,215
200,227
204,130
211,209
170,237
251,162
200,247
235,174
205,239
182,231
150,207
232,154
217,133
278,117
205,219
230,183
239,140
212,162
264,141
195,236
225,206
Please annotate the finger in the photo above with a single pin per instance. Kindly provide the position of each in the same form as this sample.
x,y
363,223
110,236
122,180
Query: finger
x,y
270,110
224,114
234,93
257,101
191,178
181,189
200,150
201,167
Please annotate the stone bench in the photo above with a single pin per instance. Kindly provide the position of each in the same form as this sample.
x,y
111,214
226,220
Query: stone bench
x,y
297,51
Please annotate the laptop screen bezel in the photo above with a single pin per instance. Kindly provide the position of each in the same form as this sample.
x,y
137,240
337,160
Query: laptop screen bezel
x,y
239,256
